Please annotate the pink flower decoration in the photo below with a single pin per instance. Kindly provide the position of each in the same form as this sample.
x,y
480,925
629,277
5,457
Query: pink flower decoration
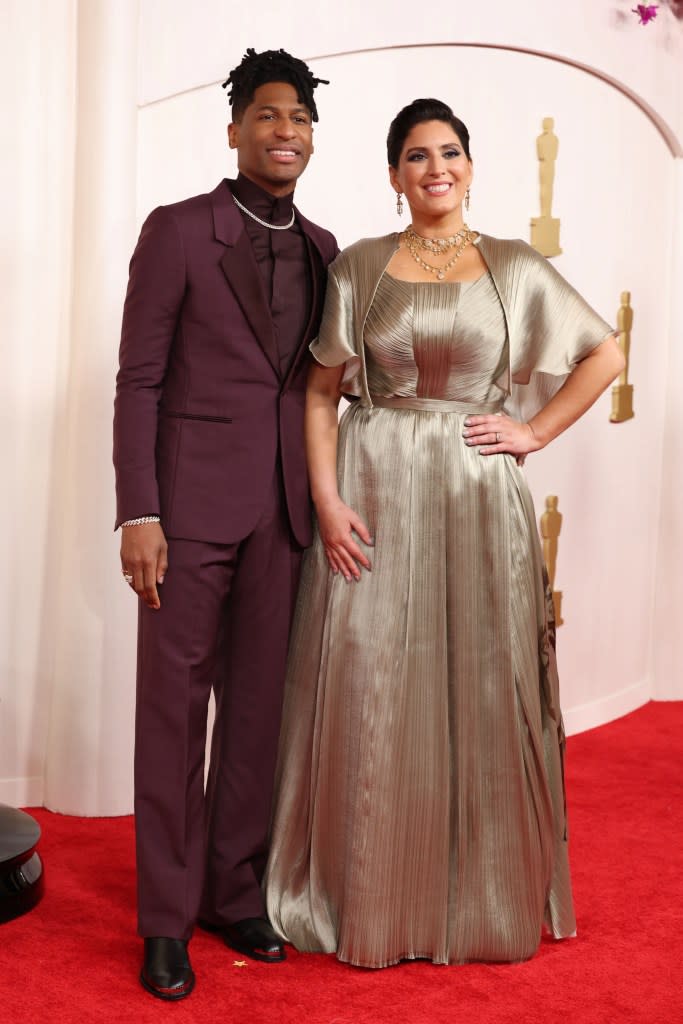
x,y
646,12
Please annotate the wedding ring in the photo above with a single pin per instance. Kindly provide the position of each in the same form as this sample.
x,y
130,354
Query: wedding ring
x,y
497,437
128,576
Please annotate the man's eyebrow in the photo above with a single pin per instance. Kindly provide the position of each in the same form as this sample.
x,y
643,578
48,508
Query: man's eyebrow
x,y
292,110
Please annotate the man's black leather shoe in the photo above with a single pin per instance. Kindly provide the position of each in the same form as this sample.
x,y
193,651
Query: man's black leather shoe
x,y
254,937
166,972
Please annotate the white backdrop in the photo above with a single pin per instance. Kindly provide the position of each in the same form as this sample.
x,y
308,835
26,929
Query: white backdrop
x,y
38,83
109,118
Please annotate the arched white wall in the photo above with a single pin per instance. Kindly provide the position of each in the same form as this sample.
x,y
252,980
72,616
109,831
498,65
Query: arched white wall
x,y
184,45
667,647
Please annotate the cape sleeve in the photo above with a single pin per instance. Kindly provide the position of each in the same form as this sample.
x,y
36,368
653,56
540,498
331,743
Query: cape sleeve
x,y
552,328
337,342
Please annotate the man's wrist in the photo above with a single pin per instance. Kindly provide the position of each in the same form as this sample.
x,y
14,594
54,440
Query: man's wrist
x,y
141,520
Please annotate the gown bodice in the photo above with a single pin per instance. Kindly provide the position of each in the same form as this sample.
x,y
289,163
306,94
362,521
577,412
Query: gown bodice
x,y
436,340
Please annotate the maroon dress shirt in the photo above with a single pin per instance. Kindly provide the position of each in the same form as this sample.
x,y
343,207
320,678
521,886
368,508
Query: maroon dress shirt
x,y
283,262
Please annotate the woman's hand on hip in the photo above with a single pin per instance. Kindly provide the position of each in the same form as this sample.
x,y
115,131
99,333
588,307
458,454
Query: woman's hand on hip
x,y
337,524
495,435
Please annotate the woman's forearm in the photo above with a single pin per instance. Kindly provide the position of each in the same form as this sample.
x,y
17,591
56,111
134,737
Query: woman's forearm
x,y
585,384
321,429
493,434
339,525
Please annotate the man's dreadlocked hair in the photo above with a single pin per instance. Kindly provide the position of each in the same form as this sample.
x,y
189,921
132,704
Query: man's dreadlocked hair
x,y
270,66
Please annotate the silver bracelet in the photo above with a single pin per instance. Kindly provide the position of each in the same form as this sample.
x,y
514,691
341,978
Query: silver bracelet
x,y
142,519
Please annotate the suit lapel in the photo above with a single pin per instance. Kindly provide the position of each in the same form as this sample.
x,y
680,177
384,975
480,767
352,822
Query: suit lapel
x,y
319,255
320,240
241,271
317,272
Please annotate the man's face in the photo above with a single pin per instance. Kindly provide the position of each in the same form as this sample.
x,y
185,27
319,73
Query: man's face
x,y
274,138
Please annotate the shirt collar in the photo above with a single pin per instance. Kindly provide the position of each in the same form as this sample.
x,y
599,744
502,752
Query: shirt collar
x,y
274,209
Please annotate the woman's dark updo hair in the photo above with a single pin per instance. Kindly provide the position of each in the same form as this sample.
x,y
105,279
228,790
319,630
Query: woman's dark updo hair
x,y
415,113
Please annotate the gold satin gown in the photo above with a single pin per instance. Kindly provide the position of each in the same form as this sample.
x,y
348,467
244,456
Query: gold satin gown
x,y
419,796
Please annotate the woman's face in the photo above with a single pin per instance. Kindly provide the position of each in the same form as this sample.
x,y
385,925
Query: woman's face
x,y
433,171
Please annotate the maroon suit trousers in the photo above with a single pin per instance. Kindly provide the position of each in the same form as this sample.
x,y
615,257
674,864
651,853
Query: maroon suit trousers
x,y
224,623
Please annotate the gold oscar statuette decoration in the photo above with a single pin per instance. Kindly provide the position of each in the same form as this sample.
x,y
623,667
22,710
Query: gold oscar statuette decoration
x,y
545,230
551,524
622,392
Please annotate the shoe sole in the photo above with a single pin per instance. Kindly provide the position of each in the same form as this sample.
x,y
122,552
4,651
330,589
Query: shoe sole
x,y
215,929
168,996
248,951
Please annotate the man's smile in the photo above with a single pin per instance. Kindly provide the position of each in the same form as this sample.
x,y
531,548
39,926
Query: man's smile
x,y
284,154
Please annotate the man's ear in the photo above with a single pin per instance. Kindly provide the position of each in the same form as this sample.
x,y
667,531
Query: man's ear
x,y
233,135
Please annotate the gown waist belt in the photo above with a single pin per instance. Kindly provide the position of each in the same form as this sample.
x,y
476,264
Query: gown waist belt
x,y
436,405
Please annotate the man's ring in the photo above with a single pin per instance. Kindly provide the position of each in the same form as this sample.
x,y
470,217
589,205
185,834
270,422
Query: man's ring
x,y
128,576
497,437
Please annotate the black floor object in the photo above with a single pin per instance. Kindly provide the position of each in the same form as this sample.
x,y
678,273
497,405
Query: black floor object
x,y
21,869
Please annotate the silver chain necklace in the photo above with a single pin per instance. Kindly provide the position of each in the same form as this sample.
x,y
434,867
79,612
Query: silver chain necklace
x,y
263,223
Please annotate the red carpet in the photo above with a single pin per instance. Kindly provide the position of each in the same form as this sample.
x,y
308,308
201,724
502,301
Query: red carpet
x,y
76,957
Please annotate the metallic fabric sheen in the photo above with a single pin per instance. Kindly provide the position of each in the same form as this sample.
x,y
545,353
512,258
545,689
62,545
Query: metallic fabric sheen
x,y
420,804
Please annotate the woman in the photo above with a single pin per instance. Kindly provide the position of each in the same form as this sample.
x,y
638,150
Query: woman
x,y
420,808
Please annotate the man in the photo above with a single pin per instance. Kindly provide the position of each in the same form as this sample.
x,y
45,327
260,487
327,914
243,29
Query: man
x,y
225,294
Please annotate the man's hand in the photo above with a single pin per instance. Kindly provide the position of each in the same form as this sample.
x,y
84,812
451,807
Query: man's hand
x,y
144,556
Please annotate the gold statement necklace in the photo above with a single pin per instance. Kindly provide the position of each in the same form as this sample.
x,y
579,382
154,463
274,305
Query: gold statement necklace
x,y
439,246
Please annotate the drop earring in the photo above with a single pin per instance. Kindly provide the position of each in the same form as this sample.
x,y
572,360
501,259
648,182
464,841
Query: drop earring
x,y
399,204
467,199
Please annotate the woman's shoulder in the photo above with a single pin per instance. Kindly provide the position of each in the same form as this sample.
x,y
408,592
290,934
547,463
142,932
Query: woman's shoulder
x,y
508,246
365,245
361,256
513,256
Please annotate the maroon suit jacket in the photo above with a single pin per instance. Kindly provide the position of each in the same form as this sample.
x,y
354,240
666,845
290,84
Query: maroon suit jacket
x,y
201,409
